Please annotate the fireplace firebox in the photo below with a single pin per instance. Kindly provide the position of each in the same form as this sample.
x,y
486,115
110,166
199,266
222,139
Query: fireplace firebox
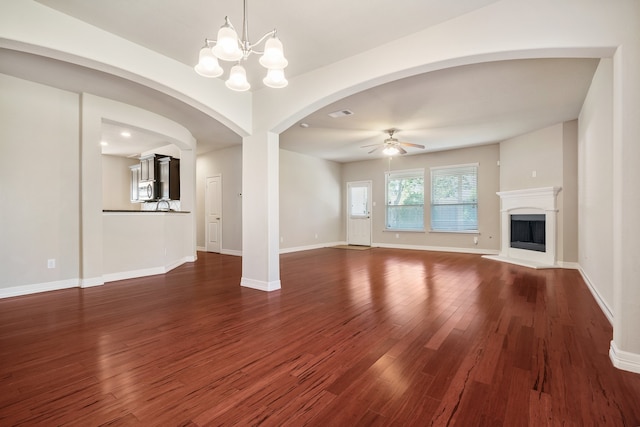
x,y
528,232
540,222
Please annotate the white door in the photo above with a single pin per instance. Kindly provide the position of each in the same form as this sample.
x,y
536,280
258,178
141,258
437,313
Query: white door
x,y
359,213
213,213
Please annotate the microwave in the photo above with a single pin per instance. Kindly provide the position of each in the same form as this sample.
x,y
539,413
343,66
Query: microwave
x,y
147,190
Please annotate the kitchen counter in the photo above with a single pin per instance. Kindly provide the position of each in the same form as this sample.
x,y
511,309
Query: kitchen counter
x,y
141,243
139,211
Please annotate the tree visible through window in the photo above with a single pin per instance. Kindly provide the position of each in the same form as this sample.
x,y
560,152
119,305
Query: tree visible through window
x,y
405,200
454,198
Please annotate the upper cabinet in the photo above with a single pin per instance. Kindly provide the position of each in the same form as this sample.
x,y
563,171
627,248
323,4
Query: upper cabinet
x,y
148,167
156,177
135,182
169,188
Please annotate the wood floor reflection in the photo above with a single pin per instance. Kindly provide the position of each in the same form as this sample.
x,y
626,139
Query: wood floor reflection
x,y
379,337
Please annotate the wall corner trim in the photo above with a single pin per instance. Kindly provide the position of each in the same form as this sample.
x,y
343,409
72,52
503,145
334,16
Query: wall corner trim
x,y
623,359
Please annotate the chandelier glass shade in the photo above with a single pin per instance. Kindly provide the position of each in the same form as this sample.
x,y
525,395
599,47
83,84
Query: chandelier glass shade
x,y
208,65
229,47
238,79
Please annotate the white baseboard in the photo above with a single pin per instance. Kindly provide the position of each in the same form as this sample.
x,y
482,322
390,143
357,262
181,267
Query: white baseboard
x,y
91,282
569,265
394,246
133,274
522,262
439,249
223,251
16,291
623,359
177,263
310,247
608,313
260,285
201,249
231,252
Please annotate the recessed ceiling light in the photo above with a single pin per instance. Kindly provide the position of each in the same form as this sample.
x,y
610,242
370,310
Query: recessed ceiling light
x,y
125,133
104,143
304,125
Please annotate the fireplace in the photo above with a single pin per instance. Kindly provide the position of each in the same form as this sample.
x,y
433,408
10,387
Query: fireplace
x,y
528,232
528,227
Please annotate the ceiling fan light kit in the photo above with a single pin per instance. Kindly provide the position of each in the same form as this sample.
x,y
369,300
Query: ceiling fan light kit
x,y
390,150
391,146
229,47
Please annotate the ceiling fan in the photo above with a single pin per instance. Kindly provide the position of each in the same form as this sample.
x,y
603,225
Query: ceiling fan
x,y
391,146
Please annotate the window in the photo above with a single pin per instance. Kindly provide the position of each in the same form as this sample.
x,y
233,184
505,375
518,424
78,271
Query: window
x,y
405,200
359,200
454,198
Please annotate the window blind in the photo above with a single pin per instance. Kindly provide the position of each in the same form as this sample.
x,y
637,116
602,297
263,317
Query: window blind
x,y
454,198
405,200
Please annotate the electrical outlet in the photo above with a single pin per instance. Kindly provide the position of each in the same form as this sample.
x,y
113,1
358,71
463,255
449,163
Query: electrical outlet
x,y
534,174
51,263
475,240
281,239
316,235
397,235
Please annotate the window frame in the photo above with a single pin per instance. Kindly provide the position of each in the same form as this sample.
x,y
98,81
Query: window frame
x,y
404,173
460,202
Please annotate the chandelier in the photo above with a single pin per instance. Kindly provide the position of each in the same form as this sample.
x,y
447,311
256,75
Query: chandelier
x,y
228,47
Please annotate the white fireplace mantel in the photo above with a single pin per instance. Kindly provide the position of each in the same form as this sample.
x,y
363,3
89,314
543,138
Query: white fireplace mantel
x,y
529,201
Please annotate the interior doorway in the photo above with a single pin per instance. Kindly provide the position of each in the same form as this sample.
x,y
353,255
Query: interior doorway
x,y
213,213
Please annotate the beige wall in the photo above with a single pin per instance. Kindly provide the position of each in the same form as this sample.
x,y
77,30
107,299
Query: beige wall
x,y
142,243
595,197
116,183
310,201
228,163
488,202
48,181
570,190
547,158
39,184
539,151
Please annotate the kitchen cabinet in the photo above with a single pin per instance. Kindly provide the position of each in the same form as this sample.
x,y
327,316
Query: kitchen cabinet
x,y
169,188
135,182
148,168
156,177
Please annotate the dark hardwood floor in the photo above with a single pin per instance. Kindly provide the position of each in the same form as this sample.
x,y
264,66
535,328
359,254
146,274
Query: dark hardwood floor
x,y
377,337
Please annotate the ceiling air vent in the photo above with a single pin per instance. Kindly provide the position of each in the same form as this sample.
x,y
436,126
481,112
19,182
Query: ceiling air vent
x,y
340,113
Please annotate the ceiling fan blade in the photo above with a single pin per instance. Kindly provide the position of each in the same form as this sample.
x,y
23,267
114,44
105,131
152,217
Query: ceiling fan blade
x,y
402,150
369,145
409,144
373,150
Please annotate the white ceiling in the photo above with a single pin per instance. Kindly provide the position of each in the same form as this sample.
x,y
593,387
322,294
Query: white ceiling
x,y
452,108
469,105
314,33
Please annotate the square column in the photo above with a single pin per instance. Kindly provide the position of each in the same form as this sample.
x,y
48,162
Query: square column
x,y
260,211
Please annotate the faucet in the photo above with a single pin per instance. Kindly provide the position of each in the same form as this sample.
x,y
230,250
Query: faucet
x,y
163,200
